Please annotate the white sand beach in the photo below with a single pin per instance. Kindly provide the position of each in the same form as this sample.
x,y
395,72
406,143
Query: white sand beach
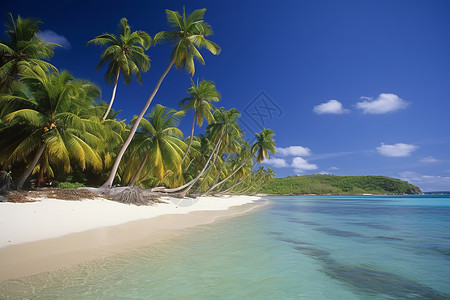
x,y
51,218
50,234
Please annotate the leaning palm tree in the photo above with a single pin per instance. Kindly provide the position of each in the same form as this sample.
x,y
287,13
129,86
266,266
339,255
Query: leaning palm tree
x,y
224,131
160,143
260,148
51,134
125,55
200,97
23,51
188,34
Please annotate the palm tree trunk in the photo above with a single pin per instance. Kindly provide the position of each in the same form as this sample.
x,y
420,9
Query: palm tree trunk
x,y
136,176
30,169
228,177
193,181
208,171
192,137
221,169
250,187
247,189
235,185
110,179
216,148
113,95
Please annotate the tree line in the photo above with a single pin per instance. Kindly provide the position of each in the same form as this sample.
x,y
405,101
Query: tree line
x,y
53,126
339,185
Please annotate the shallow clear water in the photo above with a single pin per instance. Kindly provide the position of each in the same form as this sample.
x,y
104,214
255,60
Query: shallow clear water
x,y
318,247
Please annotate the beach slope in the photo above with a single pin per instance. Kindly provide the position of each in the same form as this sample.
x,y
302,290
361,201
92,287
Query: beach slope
x,y
50,234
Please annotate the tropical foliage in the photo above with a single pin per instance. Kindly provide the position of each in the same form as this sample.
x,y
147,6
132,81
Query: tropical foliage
x,y
54,127
188,34
125,55
23,51
342,185
200,97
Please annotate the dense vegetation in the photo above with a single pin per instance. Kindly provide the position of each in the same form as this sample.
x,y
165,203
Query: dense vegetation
x,y
55,128
339,185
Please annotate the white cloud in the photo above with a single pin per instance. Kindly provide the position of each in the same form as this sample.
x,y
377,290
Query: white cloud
x,y
293,151
276,162
333,168
428,160
396,150
299,164
50,36
427,183
385,103
330,107
325,173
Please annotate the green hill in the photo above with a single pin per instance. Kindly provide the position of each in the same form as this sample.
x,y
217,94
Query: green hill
x,y
340,185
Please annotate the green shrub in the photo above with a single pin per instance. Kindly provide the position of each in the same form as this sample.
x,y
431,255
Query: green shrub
x,y
68,185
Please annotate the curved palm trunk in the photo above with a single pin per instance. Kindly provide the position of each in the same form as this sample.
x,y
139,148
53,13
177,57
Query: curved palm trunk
x,y
228,177
136,176
250,187
221,169
182,194
189,164
192,137
110,179
193,181
113,96
235,185
258,189
33,164
208,171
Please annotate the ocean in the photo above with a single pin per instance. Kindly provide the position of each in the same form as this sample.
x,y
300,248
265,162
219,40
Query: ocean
x,y
296,247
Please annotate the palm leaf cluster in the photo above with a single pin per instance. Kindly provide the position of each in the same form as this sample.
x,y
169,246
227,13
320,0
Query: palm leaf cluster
x,y
54,126
23,51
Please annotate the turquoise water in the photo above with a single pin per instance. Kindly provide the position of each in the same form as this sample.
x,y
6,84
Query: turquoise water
x,y
318,247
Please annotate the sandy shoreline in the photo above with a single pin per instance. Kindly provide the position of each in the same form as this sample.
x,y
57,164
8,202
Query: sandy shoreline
x,y
52,234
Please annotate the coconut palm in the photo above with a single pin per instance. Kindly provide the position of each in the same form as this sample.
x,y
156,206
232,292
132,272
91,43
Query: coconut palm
x,y
188,34
245,159
51,134
223,131
124,54
255,180
260,148
114,131
264,143
23,51
160,143
200,97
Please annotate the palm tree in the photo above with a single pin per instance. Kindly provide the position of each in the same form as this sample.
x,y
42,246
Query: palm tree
x,y
188,34
224,131
160,142
227,127
260,148
114,131
200,97
264,143
23,51
125,55
54,134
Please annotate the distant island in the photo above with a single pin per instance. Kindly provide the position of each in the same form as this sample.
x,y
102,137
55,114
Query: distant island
x,y
338,185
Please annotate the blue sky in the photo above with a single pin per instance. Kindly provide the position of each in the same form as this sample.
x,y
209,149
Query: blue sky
x,y
350,87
